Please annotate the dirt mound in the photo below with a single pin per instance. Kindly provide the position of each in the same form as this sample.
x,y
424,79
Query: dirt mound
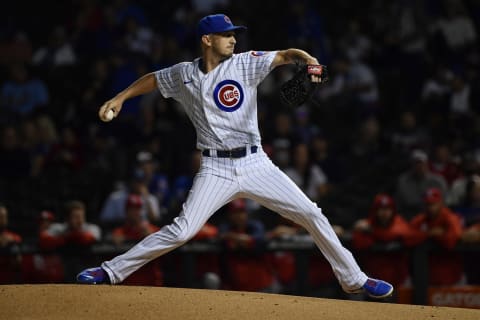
x,y
124,302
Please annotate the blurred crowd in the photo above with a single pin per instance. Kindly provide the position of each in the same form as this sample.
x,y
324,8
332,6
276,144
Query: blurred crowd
x,y
388,149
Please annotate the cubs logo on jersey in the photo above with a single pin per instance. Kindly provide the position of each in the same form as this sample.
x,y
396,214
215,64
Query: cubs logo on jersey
x,y
228,95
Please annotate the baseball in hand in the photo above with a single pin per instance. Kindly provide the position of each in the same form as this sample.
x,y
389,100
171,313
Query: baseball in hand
x,y
109,115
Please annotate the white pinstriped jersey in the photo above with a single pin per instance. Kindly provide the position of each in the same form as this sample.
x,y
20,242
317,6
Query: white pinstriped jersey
x,y
222,104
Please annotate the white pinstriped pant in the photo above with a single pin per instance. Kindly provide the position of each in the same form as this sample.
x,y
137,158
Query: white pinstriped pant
x,y
221,180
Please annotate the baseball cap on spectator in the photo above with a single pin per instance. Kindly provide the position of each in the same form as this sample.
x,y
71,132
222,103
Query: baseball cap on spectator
x,y
134,201
433,195
237,205
419,156
383,200
216,23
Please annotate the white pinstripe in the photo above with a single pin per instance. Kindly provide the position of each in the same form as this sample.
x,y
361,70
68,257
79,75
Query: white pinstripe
x,y
221,180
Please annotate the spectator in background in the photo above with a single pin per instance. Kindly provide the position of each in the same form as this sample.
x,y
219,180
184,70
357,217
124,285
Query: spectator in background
x,y
408,135
282,138
413,183
14,160
182,183
384,225
442,226
67,154
75,232
113,211
362,85
10,257
460,106
57,52
17,49
47,138
352,92
323,156
283,262
469,209
470,167
456,28
304,129
207,264
72,239
436,90
320,277
367,143
307,175
157,182
22,95
94,89
46,265
135,228
444,163
245,263
138,38
355,43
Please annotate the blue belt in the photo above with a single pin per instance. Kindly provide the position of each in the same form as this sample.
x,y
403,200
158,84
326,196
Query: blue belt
x,y
234,153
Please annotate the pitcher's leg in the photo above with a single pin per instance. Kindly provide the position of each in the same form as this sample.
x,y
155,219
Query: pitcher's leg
x,y
276,191
208,194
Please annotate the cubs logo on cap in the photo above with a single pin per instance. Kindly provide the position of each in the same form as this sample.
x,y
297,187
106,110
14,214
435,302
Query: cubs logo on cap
x,y
216,23
228,95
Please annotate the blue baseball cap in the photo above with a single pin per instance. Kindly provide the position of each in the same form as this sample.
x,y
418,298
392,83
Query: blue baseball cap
x,y
217,23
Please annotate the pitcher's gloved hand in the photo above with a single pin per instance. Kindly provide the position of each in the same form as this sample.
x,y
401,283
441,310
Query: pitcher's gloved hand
x,y
300,88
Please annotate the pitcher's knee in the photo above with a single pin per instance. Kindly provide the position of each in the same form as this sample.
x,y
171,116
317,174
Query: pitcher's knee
x,y
180,230
314,213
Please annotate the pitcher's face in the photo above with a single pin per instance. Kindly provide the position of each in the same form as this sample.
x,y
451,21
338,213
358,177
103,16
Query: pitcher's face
x,y
223,44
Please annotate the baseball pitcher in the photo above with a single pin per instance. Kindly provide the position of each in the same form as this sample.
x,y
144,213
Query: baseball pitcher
x,y
218,91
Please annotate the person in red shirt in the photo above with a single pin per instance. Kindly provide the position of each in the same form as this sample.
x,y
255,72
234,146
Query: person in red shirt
x,y
10,258
74,232
72,239
246,266
283,262
207,264
384,225
45,266
135,228
442,226
320,277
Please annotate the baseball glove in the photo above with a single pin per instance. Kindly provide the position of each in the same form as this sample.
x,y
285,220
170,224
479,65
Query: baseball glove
x,y
300,88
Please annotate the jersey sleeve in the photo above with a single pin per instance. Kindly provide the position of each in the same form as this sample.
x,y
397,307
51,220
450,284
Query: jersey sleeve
x,y
169,80
256,65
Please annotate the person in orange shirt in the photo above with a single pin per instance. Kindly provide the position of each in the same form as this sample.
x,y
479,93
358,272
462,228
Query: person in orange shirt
x,y
443,227
246,265
135,228
9,252
384,225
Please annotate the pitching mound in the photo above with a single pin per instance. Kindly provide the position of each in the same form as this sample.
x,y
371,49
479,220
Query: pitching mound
x,y
122,302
